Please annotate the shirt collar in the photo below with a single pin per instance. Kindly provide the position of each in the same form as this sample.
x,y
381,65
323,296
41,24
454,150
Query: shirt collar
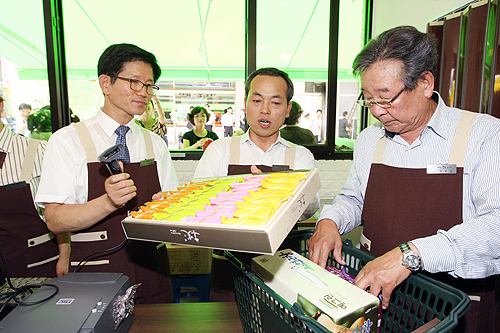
x,y
6,136
109,125
438,123
246,137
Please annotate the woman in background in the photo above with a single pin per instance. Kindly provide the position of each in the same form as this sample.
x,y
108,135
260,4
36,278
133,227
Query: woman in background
x,y
148,120
195,138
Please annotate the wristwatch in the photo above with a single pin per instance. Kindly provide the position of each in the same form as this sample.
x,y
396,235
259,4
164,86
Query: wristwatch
x,y
411,260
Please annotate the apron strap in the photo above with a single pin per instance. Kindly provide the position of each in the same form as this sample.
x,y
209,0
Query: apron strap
x,y
290,155
461,138
87,141
29,161
150,154
379,151
458,147
90,149
234,150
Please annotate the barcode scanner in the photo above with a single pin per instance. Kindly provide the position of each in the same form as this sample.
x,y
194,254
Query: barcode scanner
x,y
109,157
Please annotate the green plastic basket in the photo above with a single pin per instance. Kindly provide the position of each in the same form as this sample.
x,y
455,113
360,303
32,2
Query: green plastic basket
x,y
415,302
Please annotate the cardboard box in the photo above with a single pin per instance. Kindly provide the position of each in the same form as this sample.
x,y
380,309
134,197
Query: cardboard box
x,y
263,239
333,301
189,260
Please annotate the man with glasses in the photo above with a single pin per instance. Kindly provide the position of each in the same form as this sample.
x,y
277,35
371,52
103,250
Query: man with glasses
x,y
425,182
80,195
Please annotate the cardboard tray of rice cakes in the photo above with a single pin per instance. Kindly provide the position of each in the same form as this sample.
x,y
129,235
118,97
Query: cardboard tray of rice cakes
x,y
248,213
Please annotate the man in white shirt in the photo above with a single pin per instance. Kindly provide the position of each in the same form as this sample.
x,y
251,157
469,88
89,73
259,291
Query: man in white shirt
x,y
268,95
79,194
424,182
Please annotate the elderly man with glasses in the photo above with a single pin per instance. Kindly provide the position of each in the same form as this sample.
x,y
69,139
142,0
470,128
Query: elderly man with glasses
x,y
80,195
425,182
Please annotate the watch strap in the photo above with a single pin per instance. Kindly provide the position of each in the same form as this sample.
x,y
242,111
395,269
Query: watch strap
x,y
404,247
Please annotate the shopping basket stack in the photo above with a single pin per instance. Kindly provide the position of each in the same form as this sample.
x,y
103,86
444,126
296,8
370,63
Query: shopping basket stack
x,y
414,303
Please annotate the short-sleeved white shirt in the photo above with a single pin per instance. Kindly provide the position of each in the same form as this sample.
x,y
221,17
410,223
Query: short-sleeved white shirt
x,y
64,172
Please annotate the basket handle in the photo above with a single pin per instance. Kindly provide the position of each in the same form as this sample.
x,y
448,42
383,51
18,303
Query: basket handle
x,y
311,323
235,261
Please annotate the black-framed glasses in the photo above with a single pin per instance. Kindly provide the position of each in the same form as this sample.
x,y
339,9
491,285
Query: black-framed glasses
x,y
382,103
137,85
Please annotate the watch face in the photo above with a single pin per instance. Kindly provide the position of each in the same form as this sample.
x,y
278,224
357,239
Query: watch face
x,y
412,261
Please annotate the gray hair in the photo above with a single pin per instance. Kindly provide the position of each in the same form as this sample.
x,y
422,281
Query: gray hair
x,y
416,50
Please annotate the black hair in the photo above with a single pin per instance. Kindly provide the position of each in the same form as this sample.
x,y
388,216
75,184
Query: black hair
x,y
295,113
344,113
113,59
271,71
24,106
416,50
195,111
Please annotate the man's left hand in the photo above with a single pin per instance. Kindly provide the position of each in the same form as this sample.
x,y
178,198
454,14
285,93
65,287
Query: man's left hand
x,y
255,171
383,274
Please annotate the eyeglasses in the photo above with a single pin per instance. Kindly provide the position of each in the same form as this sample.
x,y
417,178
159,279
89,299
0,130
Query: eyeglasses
x,y
137,85
382,103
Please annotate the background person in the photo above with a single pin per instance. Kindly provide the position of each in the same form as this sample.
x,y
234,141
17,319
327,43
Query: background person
x,y
242,120
24,112
425,177
211,118
317,122
292,132
197,137
227,122
157,125
345,126
28,247
81,197
7,119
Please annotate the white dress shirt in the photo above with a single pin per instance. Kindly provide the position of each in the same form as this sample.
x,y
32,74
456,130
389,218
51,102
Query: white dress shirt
x,y
65,175
470,249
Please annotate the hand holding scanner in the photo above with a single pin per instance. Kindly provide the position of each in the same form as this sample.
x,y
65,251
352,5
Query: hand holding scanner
x,y
109,157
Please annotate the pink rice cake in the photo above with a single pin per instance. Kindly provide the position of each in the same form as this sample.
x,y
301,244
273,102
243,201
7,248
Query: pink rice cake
x,y
225,206
225,201
245,186
214,213
195,219
250,178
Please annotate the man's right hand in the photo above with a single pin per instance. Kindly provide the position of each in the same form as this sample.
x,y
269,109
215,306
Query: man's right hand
x,y
326,238
119,189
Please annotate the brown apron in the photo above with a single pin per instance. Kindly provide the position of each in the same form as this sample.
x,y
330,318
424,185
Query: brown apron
x,y
402,204
29,248
221,282
139,260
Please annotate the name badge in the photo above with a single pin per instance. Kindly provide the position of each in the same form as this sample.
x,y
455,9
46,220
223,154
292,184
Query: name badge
x,y
147,162
441,168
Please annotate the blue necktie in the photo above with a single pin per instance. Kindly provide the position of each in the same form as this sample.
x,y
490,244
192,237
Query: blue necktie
x,y
121,131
